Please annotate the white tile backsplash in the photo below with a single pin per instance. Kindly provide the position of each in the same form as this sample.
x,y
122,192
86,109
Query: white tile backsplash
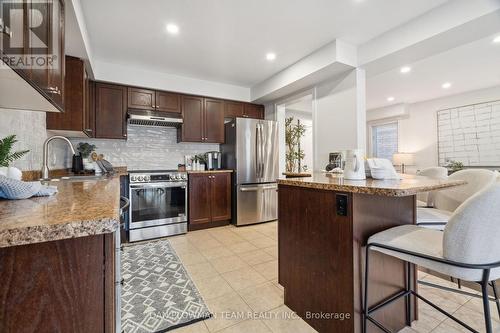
x,y
29,128
146,147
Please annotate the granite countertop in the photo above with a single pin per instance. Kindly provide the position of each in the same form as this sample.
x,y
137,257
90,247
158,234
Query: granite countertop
x,y
80,208
208,171
409,185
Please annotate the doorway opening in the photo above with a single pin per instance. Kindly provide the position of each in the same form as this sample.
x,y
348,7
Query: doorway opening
x,y
296,117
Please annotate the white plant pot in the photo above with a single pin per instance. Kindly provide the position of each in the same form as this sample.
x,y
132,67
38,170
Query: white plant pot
x,y
88,164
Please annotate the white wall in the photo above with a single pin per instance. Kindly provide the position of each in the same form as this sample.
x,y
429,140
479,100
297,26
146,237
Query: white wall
x,y
418,130
340,116
105,71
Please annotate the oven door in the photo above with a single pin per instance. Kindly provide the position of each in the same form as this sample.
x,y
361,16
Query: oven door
x,y
157,204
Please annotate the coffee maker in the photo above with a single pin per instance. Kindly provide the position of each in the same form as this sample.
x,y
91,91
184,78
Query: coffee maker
x,y
214,160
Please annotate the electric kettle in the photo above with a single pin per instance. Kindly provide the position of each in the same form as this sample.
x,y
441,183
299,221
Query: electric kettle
x,y
354,165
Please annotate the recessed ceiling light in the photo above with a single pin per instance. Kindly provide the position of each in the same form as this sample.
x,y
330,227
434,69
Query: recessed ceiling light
x,y
496,40
390,99
271,56
405,69
446,85
172,28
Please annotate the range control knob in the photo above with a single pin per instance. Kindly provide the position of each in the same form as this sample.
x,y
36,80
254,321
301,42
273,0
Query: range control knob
x,y
140,178
147,178
133,178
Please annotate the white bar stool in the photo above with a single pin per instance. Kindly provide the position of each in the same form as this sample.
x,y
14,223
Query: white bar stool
x,y
468,249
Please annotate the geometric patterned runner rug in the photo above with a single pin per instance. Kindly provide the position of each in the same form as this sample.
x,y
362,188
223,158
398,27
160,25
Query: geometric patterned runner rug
x,y
157,295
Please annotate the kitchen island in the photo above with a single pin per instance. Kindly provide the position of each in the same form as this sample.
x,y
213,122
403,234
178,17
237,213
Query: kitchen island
x,y
324,224
57,257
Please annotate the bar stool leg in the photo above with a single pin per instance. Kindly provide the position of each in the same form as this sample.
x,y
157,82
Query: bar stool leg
x,y
408,297
486,303
495,293
365,305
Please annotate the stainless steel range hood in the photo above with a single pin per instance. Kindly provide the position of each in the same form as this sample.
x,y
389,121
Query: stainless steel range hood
x,y
152,119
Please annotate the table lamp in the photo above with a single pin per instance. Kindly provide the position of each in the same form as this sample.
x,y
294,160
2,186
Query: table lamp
x,y
403,159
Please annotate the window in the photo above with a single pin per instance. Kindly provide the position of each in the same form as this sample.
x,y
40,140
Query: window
x,y
385,140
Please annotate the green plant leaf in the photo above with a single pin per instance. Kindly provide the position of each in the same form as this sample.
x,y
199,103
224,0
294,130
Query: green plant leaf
x,y
6,157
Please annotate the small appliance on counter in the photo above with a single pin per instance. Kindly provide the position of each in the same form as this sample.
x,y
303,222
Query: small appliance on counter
x,y
335,161
214,160
354,165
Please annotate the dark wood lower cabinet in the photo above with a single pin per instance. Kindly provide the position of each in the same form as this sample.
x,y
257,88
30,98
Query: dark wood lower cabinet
x,y
59,286
221,196
321,257
209,200
200,198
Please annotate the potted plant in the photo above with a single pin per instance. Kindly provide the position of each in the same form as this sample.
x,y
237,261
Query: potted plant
x,y
7,157
294,153
454,166
85,149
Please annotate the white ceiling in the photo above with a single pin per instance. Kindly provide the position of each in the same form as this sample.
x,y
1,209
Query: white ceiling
x,y
226,40
469,67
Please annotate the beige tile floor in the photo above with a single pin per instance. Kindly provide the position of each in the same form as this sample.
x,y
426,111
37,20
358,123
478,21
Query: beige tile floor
x,y
236,271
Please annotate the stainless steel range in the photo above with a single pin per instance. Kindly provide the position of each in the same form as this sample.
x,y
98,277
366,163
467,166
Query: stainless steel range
x,y
158,204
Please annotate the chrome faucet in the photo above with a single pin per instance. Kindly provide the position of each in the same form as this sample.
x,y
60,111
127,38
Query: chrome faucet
x,y
45,166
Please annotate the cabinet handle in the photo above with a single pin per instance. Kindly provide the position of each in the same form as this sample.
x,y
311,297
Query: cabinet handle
x,y
88,130
124,135
53,90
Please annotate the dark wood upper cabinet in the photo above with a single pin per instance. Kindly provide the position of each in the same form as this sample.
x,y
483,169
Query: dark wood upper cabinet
x,y
151,100
141,99
209,199
110,111
57,69
233,109
199,198
192,129
244,110
253,111
78,116
203,120
168,102
214,120
89,118
41,40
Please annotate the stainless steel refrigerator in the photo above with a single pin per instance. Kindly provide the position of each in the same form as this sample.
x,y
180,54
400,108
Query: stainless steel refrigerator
x,y
251,150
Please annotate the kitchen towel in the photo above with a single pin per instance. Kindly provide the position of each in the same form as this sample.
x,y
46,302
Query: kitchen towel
x,y
17,189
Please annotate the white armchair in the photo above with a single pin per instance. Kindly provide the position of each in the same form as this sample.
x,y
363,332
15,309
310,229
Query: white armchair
x,y
445,202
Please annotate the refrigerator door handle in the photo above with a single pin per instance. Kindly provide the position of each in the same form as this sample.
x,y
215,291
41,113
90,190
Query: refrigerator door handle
x,y
262,151
249,189
257,152
262,188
